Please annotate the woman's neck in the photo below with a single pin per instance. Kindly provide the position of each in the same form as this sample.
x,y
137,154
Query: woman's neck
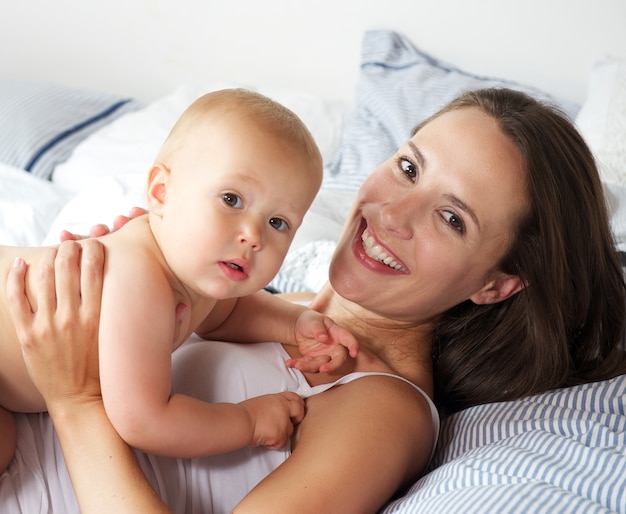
x,y
386,345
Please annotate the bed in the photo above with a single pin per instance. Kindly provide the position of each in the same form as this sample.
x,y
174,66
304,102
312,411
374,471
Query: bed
x,y
73,156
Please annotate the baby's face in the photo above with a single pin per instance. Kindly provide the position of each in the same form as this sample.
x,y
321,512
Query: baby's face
x,y
235,198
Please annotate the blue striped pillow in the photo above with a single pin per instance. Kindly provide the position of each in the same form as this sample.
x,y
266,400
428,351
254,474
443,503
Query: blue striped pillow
x,y
399,86
561,451
41,123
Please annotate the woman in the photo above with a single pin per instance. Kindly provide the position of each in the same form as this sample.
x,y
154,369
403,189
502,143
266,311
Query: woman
x,y
484,242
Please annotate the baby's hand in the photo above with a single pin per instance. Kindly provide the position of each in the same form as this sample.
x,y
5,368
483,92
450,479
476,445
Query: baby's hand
x,y
323,344
273,417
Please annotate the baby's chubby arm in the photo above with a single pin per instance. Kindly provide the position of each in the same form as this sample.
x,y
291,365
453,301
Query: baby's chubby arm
x,y
136,340
260,317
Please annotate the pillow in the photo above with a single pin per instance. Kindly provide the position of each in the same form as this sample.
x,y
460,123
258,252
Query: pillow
x,y
27,207
616,201
41,123
602,118
398,87
130,144
101,202
127,145
560,451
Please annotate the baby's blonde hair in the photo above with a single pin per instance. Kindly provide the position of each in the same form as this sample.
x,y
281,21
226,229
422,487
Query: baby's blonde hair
x,y
266,113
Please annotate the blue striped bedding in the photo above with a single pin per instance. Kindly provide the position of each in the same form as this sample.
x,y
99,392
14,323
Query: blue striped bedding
x,y
558,452
398,87
41,123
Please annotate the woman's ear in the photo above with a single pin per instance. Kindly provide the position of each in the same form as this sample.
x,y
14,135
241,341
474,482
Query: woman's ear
x,y
499,289
156,191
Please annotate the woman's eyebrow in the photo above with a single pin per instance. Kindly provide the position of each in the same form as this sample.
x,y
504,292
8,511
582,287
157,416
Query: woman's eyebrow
x,y
419,156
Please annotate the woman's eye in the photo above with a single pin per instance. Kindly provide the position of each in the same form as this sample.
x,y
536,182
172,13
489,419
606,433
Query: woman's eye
x,y
408,168
232,200
454,221
279,224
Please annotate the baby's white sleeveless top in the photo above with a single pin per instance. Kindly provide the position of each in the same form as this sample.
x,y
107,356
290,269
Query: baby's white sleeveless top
x,y
227,372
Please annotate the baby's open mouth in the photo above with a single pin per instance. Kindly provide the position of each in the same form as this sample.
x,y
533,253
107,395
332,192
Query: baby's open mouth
x,y
234,266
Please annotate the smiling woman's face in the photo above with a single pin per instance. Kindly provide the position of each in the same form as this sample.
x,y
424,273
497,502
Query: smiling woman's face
x,y
430,224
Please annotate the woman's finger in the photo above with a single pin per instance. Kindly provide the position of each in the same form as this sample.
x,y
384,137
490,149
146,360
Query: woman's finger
x,y
66,235
67,277
97,231
19,306
91,278
44,301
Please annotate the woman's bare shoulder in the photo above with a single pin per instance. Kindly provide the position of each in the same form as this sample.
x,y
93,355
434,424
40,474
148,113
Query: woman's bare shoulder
x,y
377,431
382,409
388,392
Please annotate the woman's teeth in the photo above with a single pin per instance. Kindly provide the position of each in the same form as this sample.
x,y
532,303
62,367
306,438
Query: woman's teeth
x,y
376,252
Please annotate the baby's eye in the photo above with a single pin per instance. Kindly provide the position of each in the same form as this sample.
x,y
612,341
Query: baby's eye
x,y
454,221
232,200
408,168
279,224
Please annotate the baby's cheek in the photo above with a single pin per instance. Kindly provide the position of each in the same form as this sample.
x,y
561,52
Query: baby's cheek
x,y
265,266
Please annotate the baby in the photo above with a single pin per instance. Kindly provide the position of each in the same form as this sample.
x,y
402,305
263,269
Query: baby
x,y
226,194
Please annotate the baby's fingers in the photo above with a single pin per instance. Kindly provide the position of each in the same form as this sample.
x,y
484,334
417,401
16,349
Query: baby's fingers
x,y
296,407
344,338
309,363
336,357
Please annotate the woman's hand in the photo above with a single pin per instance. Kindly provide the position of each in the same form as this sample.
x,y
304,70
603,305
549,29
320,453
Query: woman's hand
x,y
59,334
102,230
58,331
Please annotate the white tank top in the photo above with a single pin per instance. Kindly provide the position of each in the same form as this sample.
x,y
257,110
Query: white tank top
x,y
38,480
227,372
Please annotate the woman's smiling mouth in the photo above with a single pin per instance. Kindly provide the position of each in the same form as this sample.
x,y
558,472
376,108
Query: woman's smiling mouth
x,y
377,252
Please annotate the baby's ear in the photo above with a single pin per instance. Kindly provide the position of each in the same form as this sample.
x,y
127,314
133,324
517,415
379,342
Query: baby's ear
x,y
499,289
157,187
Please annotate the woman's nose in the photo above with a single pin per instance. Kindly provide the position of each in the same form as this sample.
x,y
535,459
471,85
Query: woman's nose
x,y
399,216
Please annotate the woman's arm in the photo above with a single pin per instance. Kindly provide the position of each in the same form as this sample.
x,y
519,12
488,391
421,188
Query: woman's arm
x,y
59,344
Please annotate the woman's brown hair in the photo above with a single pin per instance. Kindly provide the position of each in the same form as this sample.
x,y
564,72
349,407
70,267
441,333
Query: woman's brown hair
x,y
567,325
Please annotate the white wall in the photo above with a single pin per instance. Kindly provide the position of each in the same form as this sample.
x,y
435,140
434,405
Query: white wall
x,y
145,48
